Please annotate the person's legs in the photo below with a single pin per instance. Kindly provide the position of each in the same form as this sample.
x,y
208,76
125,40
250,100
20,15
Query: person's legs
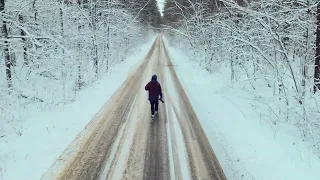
x,y
156,106
152,107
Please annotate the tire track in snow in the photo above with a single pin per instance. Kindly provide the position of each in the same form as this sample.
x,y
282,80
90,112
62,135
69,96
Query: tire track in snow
x,y
127,152
116,146
203,162
156,158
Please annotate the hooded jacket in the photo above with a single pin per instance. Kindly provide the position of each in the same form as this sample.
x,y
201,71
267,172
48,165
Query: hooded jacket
x,y
154,89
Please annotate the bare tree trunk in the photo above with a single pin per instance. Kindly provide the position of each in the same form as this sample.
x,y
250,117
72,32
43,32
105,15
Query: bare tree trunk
x,y
24,40
317,58
63,63
79,81
94,38
62,24
79,61
35,10
108,35
34,46
4,35
232,54
304,65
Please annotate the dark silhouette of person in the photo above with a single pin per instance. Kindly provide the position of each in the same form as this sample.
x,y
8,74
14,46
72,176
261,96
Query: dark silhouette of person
x,y
155,91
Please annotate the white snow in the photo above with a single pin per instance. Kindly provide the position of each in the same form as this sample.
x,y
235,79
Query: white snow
x,y
127,143
247,146
170,148
125,151
181,144
48,132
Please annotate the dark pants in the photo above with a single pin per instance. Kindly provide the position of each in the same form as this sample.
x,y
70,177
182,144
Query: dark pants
x,y
154,106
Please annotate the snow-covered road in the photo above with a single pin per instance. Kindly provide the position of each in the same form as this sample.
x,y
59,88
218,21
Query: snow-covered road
x,y
122,142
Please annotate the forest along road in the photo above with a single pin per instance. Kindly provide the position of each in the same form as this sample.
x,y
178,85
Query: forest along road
x,y
122,142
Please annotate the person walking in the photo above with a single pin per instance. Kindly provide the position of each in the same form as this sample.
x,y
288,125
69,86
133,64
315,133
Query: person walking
x,y
155,91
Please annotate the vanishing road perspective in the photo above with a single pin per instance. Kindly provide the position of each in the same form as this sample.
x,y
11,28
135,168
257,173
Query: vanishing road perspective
x,y
122,142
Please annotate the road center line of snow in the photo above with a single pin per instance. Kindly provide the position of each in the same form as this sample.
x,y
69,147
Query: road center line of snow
x,y
183,155
172,171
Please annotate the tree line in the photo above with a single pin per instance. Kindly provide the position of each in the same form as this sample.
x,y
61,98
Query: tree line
x,y
264,43
51,49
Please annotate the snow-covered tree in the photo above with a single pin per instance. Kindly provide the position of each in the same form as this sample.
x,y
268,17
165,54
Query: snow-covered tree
x,y
52,49
146,11
317,58
265,43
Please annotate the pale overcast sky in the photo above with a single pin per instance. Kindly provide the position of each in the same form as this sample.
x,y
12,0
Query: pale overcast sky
x,y
161,5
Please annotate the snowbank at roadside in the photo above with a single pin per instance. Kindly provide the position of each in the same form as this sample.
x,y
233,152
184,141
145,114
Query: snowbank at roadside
x,y
46,134
245,144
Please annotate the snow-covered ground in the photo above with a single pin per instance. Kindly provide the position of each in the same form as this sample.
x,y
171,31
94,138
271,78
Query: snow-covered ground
x,y
247,146
47,133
